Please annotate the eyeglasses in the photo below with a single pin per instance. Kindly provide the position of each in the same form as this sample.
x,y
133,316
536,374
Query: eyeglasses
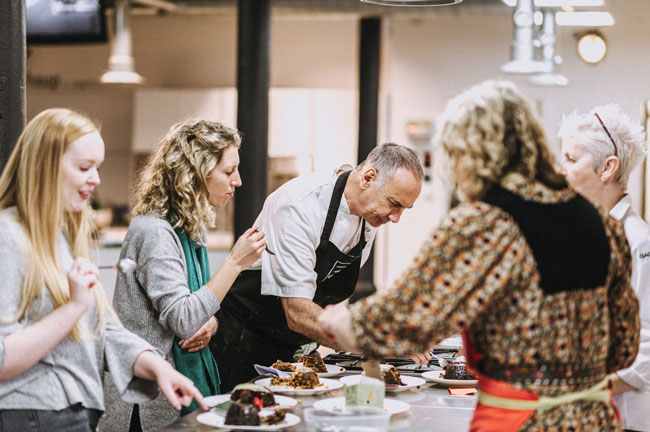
x,y
608,134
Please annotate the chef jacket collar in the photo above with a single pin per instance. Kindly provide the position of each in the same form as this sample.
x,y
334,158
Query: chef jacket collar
x,y
621,207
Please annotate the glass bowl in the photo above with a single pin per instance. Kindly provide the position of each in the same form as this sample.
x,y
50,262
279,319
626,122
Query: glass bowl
x,y
351,419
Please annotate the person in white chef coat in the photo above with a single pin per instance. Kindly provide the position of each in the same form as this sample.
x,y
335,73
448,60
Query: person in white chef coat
x,y
599,150
319,231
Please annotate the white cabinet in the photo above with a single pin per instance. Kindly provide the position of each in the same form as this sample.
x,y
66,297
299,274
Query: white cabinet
x,y
316,126
156,110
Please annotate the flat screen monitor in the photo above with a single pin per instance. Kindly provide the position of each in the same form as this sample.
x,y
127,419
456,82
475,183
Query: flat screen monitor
x,y
65,21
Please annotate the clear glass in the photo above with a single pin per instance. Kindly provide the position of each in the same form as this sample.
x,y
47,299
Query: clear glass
x,y
352,419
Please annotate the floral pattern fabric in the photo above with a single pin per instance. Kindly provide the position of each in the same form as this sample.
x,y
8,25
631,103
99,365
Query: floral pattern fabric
x,y
477,273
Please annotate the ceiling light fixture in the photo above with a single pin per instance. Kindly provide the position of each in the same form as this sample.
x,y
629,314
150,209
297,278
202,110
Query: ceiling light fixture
x,y
548,39
569,3
413,3
121,66
522,52
592,47
565,4
588,19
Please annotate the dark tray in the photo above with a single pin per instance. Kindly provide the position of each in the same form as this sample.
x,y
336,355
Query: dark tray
x,y
352,361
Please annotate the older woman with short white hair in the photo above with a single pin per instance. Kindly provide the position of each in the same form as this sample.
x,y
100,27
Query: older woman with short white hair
x,y
599,151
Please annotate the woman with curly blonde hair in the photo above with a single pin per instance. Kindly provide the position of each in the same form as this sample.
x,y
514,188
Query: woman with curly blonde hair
x,y
172,297
534,277
57,332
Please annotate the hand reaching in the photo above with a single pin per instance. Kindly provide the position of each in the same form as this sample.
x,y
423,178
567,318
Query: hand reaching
x,y
177,388
201,338
248,248
82,277
421,359
336,324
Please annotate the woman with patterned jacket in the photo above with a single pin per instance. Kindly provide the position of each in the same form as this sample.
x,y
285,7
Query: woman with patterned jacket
x,y
535,277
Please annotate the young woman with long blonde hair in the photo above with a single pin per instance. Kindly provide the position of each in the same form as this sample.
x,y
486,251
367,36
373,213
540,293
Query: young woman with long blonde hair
x,y
57,332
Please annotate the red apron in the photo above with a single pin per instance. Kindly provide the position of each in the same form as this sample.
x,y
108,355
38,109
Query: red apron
x,y
489,418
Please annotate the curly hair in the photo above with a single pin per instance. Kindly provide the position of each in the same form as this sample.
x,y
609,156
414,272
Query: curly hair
x,y
490,131
591,136
172,184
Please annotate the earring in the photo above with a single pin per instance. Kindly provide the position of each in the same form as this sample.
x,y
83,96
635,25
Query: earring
x,y
602,179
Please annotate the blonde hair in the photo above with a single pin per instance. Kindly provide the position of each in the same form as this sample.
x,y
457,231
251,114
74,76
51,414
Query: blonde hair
x,y
31,181
591,136
172,185
490,131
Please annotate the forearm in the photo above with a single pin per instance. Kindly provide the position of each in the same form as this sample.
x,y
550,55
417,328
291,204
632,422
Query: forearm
x,y
148,365
223,278
27,346
302,317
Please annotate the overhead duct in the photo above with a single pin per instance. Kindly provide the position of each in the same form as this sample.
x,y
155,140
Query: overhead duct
x,y
522,53
121,66
548,39
412,3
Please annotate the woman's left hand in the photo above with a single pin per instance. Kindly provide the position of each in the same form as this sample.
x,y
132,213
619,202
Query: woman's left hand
x,y
201,338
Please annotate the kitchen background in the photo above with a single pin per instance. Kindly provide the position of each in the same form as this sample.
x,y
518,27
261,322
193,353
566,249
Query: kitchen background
x,y
188,58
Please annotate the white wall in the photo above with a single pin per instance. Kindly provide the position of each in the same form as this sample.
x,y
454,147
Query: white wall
x,y
434,58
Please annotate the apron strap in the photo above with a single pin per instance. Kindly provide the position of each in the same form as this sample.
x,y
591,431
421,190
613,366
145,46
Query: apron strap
x,y
333,209
599,392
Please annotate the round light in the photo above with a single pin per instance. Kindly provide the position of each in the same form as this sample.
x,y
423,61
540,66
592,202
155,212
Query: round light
x,y
592,48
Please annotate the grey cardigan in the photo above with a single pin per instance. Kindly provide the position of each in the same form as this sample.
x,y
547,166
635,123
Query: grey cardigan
x,y
155,303
71,372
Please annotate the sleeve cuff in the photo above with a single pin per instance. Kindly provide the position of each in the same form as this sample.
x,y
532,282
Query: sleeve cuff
x,y
121,351
208,299
630,377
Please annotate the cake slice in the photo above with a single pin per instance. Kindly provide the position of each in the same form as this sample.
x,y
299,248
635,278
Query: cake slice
x,y
250,393
314,362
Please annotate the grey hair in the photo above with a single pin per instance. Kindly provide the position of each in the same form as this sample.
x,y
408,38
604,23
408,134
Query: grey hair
x,y
591,136
387,158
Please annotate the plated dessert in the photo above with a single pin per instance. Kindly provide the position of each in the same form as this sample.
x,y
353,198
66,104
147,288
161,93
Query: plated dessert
x,y
457,370
305,379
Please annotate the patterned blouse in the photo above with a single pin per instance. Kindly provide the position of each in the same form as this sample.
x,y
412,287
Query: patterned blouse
x,y
477,272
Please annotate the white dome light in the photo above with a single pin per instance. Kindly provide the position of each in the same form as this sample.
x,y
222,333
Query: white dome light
x,y
592,48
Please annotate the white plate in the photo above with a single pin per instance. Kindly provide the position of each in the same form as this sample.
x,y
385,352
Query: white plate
x,y
327,385
391,406
409,381
437,377
332,370
213,419
283,401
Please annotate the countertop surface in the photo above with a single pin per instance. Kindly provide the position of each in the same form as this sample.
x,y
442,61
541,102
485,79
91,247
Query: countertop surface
x,y
432,409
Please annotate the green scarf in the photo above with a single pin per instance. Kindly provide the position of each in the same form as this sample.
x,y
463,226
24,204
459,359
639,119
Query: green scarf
x,y
198,366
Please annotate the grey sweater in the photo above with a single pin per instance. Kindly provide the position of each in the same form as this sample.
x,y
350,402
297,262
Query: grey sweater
x,y
155,303
71,372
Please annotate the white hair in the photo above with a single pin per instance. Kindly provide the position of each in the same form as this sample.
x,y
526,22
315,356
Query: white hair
x,y
630,148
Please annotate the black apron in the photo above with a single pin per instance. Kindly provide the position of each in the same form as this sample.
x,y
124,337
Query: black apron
x,y
253,328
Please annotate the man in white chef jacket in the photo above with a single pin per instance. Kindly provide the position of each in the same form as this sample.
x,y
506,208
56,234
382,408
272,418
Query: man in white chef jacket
x,y
319,230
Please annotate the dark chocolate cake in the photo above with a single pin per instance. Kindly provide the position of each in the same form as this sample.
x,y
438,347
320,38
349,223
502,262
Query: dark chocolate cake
x,y
458,371
247,393
243,414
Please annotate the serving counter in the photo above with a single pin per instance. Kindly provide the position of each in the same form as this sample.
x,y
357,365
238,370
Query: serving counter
x,y
432,409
